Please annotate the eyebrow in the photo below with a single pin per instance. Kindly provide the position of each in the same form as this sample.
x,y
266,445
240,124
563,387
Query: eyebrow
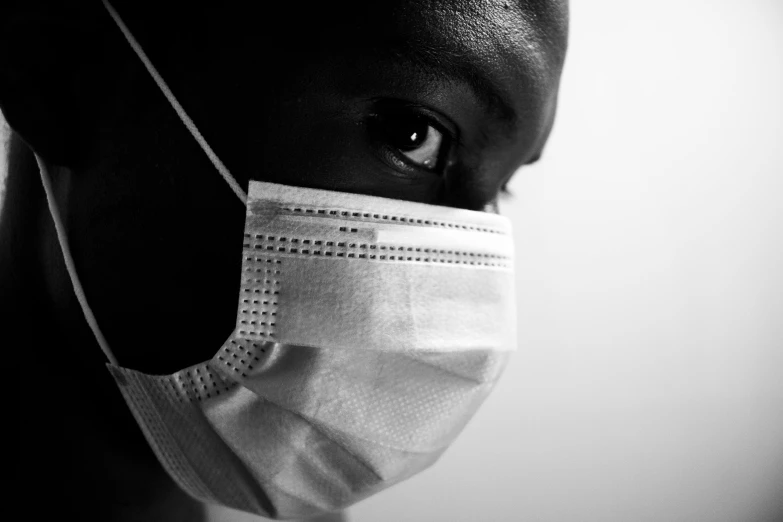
x,y
474,75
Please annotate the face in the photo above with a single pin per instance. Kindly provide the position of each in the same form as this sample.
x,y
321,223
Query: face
x,y
437,102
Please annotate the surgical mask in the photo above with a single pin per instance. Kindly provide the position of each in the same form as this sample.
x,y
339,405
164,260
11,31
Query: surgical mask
x,y
368,332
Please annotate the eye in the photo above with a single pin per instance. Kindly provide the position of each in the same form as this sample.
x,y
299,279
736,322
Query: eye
x,y
413,138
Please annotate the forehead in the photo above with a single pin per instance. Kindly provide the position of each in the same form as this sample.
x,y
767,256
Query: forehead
x,y
514,45
515,38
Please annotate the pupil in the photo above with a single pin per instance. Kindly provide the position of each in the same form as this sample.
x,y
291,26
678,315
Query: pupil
x,y
407,134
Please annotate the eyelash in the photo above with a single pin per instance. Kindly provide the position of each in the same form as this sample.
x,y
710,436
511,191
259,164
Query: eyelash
x,y
390,117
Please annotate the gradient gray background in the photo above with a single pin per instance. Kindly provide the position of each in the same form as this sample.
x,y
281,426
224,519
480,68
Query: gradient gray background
x,y
648,385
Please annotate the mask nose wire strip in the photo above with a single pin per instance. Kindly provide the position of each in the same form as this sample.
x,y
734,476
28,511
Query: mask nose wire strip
x,y
221,168
77,285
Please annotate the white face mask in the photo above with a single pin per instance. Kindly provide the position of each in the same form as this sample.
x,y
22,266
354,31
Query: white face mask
x,y
362,346
368,333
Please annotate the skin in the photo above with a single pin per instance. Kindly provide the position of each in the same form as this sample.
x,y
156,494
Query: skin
x,y
307,102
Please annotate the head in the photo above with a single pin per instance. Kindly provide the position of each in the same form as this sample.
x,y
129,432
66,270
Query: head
x,y
436,101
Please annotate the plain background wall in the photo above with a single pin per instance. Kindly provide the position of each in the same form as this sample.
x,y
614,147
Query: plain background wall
x,y
648,385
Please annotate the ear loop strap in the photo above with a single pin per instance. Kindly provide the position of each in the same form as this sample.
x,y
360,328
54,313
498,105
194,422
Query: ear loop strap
x,y
77,285
177,107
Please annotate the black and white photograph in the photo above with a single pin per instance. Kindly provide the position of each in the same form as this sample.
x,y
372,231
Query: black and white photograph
x,y
393,260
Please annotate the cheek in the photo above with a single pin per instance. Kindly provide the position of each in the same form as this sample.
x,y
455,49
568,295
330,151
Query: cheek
x,y
162,279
